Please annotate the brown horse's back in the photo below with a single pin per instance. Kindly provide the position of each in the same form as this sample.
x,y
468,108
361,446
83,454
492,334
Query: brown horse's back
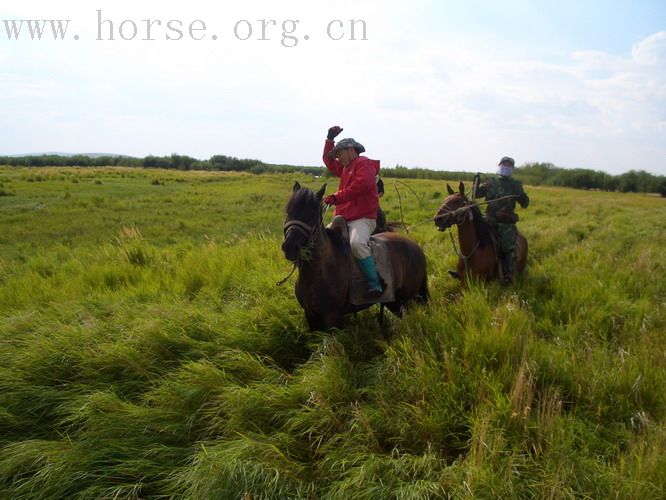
x,y
484,263
409,268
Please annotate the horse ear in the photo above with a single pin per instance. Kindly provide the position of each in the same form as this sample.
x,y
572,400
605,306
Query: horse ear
x,y
461,187
449,189
296,187
320,193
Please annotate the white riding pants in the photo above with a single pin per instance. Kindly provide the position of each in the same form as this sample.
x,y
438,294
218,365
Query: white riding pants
x,y
359,235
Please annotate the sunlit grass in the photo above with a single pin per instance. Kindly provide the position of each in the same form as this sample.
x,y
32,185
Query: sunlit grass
x,y
145,350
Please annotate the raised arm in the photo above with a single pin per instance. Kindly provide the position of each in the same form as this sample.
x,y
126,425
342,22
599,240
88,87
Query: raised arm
x,y
331,163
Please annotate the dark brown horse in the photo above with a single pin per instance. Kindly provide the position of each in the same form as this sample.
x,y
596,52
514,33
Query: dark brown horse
x,y
324,263
477,256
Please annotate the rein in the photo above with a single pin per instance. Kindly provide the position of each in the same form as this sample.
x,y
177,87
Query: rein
x,y
472,205
311,234
459,221
456,211
284,280
467,216
461,256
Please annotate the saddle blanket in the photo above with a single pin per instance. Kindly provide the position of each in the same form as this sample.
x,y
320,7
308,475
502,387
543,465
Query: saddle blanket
x,y
385,270
379,251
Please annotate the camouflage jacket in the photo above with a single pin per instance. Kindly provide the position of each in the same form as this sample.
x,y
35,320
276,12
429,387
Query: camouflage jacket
x,y
498,187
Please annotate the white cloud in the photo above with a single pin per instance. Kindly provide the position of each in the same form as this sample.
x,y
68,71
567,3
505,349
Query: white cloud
x,y
433,100
541,111
651,51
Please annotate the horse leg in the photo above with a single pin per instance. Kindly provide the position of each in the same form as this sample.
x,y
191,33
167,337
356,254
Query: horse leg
x,y
521,253
461,270
423,296
331,319
337,322
381,321
320,322
312,321
396,308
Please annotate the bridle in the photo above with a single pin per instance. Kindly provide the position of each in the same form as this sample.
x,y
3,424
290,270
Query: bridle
x,y
458,215
311,233
297,225
462,211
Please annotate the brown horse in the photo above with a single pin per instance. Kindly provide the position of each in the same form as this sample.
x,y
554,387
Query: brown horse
x,y
324,263
477,256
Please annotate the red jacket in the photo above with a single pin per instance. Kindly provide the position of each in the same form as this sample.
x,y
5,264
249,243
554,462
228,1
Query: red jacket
x,y
356,197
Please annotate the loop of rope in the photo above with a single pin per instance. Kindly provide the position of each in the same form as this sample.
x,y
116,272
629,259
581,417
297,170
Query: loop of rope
x,y
472,205
311,234
461,256
284,280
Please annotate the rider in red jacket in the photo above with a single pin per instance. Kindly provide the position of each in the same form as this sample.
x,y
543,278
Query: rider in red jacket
x,y
356,199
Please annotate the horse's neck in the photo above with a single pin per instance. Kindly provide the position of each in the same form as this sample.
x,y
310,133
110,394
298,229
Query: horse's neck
x,y
467,236
322,257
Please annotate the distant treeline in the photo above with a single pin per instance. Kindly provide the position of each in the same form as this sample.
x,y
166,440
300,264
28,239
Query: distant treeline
x,y
547,174
635,181
536,174
178,162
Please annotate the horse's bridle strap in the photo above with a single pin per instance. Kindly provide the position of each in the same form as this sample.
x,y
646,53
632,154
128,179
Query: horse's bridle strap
x,y
300,226
458,215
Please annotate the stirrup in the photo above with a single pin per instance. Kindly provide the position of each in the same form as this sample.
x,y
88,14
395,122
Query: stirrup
x,y
375,292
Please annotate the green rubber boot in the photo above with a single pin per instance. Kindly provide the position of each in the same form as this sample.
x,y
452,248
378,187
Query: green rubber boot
x,y
369,270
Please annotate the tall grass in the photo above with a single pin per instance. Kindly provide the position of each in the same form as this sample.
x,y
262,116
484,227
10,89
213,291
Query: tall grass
x,y
145,351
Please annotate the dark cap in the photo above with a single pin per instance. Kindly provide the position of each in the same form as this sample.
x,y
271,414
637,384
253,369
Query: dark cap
x,y
507,161
346,144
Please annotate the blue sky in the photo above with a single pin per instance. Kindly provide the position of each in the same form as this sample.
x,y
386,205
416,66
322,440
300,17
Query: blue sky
x,y
444,85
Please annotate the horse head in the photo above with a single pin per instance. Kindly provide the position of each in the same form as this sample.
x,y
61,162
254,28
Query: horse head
x,y
303,222
454,210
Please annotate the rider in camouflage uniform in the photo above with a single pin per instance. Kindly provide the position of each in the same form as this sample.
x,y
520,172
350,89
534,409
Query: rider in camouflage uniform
x,y
501,214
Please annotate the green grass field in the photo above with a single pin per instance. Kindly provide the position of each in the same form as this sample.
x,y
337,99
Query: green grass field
x,y
145,350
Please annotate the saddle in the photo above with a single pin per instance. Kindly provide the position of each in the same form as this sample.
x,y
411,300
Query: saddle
x,y
495,240
506,216
380,253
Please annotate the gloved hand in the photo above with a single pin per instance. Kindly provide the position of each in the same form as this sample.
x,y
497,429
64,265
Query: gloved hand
x,y
333,132
330,199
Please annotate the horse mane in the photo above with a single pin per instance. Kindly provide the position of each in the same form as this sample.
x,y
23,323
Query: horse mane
x,y
306,199
302,200
338,242
483,230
